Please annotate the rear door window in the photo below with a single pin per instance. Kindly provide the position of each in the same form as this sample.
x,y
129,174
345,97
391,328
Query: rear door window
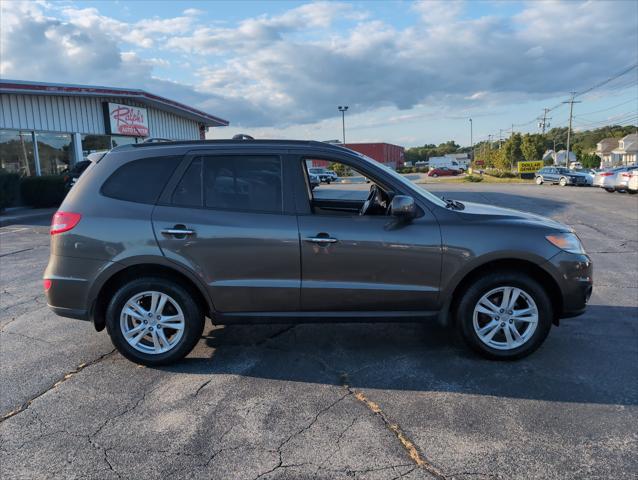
x,y
246,182
140,181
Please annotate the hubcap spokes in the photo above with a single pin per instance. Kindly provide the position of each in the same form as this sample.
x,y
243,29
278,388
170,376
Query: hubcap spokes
x,y
152,322
505,318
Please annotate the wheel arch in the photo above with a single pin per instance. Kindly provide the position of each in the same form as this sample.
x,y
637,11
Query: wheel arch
x,y
518,265
116,276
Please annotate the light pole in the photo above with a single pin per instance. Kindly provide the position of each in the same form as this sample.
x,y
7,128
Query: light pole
x,y
343,110
472,139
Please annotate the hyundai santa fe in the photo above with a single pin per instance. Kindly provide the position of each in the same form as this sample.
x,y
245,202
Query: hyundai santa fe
x,y
155,238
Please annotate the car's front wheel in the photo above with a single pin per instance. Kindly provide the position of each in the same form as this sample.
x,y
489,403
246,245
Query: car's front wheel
x,y
154,321
504,315
562,182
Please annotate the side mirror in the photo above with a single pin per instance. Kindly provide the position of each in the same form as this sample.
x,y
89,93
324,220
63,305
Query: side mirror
x,y
403,206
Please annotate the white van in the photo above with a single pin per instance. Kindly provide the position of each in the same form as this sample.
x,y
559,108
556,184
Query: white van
x,y
446,162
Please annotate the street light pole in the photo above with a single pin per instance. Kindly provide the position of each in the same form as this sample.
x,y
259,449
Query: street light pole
x,y
343,110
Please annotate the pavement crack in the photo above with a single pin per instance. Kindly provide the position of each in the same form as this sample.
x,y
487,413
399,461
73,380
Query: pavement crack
x,y
17,251
408,445
275,335
53,386
202,386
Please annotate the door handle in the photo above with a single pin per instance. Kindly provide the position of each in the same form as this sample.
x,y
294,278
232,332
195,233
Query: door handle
x,y
178,230
321,240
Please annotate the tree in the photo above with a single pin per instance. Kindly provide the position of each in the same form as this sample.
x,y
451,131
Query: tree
x,y
510,153
532,147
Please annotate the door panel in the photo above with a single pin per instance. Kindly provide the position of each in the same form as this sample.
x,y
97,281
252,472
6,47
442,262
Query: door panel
x,y
249,261
374,264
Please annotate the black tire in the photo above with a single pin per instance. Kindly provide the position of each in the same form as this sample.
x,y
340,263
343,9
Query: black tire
x,y
633,192
539,180
610,190
484,284
193,319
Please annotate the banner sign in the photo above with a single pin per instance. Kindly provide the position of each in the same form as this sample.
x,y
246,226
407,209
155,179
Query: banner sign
x,y
126,120
530,167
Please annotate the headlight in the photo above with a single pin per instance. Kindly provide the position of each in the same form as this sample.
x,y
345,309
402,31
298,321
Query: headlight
x,y
566,241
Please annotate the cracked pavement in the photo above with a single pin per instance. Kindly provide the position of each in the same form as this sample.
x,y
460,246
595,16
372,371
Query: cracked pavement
x,y
362,401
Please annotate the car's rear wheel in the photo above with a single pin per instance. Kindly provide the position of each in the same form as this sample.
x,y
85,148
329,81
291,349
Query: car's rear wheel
x,y
154,321
435,175
610,190
562,182
632,191
504,315
539,180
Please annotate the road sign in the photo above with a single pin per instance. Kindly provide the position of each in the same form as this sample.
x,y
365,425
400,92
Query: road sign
x,y
530,167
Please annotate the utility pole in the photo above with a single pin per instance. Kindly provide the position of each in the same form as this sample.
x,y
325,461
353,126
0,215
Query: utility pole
x,y
571,102
500,138
343,110
543,120
472,139
512,157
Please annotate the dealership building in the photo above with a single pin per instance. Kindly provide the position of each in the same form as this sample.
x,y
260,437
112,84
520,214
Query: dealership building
x,y
46,127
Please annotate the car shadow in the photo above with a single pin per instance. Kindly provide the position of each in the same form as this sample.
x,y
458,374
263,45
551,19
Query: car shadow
x,y
584,360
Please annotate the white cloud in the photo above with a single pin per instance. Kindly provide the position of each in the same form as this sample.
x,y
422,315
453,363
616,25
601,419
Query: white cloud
x,y
295,67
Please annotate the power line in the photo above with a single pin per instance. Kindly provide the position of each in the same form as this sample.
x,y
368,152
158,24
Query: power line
x,y
609,108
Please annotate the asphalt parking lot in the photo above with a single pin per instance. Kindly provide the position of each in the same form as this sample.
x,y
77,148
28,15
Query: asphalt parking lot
x,y
364,401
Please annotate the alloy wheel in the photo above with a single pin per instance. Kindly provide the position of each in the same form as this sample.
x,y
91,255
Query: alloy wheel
x,y
505,318
152,322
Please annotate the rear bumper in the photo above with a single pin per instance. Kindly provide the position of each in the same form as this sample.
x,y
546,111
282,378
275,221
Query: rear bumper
x,y
71,280
77,314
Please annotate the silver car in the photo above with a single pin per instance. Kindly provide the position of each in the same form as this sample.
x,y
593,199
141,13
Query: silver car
x,y
618,182
632,185
604,178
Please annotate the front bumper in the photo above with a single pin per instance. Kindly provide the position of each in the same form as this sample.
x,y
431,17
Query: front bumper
x,y
574,274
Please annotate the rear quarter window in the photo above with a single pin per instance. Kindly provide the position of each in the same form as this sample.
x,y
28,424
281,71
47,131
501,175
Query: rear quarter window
x,y
140,181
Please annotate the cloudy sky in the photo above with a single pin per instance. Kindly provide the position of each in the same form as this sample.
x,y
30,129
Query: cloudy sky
x,y
411,72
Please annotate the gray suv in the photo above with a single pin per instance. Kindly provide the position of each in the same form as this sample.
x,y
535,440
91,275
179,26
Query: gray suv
x,y
156,237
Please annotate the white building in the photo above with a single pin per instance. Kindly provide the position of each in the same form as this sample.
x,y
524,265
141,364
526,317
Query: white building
x,y
46,127
627,150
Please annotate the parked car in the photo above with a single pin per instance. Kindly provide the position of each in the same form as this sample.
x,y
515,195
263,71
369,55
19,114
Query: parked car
x,y
604,178
315,181
632,185
71,176
325,175
561,175
620,180
442,172
158,236
589,174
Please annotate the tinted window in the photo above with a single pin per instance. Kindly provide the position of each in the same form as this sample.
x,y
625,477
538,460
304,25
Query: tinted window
x,y
140,181
243,183
188,192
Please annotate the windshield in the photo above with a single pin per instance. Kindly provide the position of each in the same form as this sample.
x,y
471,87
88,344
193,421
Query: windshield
x,y
430,196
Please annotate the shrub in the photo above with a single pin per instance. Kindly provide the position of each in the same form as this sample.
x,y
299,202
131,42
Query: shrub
x,y
45,191
501,174
9,189
473,178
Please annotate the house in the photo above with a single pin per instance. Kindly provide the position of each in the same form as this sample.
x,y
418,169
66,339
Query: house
x,y
627,150
560,157
604,149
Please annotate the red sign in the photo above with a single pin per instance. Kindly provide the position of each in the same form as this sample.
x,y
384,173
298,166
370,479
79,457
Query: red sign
x,y
479,162
127,120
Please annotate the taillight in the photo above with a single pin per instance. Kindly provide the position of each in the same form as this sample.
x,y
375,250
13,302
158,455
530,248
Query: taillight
x,y
626,174
606,174
64,221
46,283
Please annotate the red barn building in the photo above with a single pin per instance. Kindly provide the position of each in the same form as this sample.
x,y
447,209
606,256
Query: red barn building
x,y
386,153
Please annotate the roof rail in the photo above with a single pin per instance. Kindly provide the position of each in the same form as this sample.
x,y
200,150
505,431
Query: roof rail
x,y
156,140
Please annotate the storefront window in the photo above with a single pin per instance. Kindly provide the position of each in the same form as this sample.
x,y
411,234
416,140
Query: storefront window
x,y
55,152
118,140
95,143
16,152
